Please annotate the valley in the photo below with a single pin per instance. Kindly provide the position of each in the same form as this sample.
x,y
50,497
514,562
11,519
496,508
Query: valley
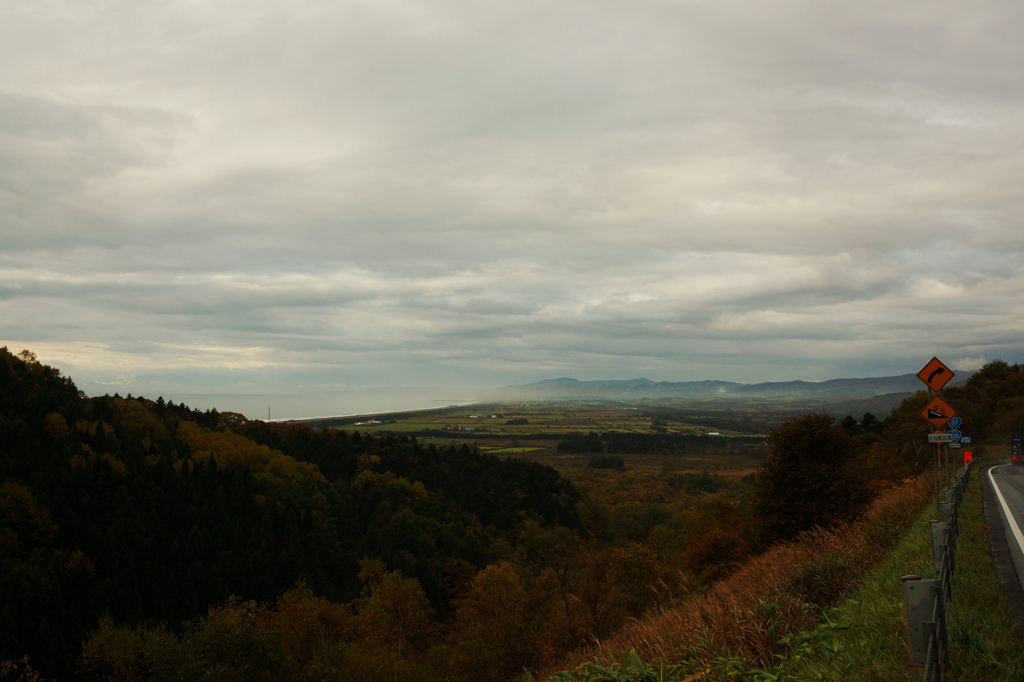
x,y
463,543
563,434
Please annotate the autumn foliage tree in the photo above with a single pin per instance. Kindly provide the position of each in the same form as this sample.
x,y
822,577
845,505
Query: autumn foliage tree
x,y
807,479
495,636
393,619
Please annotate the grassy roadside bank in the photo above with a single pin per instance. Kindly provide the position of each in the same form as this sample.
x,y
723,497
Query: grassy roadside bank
x,y
870,642
984,644
862,637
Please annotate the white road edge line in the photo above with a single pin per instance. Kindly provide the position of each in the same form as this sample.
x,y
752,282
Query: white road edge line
x,y
1006,509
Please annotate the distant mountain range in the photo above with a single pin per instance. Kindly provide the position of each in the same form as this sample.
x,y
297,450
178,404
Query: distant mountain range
x,y
834,390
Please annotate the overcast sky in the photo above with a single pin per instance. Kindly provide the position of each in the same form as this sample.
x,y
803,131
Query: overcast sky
x,y
270,196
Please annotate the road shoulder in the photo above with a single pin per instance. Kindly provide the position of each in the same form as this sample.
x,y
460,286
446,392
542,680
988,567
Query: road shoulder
x,y
999,539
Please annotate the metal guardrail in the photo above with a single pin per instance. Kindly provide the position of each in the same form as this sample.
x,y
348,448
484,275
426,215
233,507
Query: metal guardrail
x,y
926,600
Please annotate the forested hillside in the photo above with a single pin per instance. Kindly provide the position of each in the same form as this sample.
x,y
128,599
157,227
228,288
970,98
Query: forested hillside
x,y
143,540
148,511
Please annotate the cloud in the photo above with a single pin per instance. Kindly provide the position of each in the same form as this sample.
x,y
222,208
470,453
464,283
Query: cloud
x,y
459,193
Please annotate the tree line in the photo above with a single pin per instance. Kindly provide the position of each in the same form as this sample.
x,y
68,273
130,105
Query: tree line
x,y
618,442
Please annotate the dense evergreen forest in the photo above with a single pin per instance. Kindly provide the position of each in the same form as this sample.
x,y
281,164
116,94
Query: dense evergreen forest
x,y
146,511
143,540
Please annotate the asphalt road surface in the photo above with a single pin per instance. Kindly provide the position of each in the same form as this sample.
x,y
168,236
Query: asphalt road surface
x,y
1004,510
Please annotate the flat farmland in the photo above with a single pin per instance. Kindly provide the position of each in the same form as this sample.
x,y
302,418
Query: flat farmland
x,y
567,436
518,420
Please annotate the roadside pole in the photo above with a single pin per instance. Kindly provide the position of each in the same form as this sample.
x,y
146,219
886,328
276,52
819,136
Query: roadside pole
x,y
926,601
937,413
945,452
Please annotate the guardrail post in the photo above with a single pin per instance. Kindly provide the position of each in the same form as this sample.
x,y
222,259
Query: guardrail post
x,y
939,530
919,597
926,602
948,510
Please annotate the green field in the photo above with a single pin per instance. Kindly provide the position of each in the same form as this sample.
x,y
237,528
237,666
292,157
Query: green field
x,y
556,419
714,441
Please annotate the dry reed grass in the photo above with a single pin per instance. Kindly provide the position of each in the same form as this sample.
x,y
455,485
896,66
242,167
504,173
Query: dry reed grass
x,y
746,614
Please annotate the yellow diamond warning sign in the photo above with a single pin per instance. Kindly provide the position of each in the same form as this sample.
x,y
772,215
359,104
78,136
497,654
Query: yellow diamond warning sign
x,y
937,412
935,375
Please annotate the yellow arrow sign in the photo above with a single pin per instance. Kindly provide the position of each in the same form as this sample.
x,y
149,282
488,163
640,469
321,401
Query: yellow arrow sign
x,y
935,375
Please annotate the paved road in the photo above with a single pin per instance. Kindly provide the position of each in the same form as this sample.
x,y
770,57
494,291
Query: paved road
x,y
1004,503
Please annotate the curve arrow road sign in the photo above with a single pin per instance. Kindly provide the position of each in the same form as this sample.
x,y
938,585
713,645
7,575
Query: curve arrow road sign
x,y
935,374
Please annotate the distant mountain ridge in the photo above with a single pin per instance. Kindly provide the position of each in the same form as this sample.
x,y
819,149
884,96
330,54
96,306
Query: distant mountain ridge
x,y
833,390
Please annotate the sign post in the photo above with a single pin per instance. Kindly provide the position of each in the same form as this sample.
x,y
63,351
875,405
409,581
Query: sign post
x,y
954,425
938,413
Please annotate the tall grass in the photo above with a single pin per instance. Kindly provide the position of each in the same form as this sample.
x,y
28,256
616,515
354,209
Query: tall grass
x,y
818,615
983,640
762,613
